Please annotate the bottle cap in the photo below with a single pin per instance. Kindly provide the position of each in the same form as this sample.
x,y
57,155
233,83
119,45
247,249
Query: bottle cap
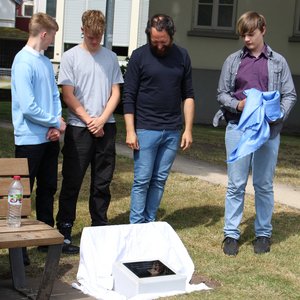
x,y
17,177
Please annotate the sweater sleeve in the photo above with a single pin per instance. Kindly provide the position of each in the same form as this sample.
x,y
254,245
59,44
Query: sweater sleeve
x,y
131,84
23,81
187,82
288,92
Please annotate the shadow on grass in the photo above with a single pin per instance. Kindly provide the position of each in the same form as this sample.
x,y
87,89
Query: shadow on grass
x,y
120,219
207,215
285,224
37,265
182,218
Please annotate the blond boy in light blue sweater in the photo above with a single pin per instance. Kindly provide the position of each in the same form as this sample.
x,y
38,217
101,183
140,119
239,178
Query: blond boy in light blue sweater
x,y
36,114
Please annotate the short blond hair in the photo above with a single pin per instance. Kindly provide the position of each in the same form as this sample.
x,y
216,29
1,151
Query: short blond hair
x,y
41,21
250,21
94,21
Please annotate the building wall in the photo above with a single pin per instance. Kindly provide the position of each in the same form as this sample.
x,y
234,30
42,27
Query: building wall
x,y
22,23
7,13
143,23
75,8
205,85
128,19
208,54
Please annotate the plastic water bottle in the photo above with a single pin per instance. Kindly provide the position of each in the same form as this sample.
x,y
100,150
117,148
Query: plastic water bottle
x,y
15,197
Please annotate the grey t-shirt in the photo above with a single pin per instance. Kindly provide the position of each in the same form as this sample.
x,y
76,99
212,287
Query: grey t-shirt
x,y
92,76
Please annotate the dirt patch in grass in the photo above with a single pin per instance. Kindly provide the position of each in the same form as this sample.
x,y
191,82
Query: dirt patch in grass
x,y
197,278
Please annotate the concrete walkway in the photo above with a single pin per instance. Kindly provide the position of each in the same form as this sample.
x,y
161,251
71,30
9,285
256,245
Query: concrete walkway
x,y
284,194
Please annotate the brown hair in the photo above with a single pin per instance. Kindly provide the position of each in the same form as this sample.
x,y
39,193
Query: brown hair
x,y
94,21
250,21
41,21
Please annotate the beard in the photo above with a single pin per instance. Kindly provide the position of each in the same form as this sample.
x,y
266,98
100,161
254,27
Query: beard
x,y
162,52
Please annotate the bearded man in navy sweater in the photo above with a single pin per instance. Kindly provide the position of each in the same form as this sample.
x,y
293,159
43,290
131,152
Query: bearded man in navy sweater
x,y
157,92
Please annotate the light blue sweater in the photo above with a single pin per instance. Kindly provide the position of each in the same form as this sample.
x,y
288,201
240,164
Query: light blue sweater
x,y
36,104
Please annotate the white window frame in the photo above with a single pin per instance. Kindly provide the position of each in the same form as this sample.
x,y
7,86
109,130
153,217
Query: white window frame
x,y
215,12
27,3
297,19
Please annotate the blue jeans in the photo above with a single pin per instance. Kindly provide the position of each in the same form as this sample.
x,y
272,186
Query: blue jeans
x,y
152,164
263,162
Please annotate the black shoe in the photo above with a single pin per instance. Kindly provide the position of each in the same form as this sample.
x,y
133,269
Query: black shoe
x,y
262,244
65,229
26,260
68,248
43,249
230,246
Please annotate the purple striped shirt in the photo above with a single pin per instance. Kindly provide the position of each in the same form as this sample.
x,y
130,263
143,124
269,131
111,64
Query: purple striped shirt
x,y
252,73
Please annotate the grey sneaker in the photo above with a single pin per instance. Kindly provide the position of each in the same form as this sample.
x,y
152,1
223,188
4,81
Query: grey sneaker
x,y
262,244
230,246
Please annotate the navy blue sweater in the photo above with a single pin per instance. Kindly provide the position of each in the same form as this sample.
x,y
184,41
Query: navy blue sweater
x,y
155,87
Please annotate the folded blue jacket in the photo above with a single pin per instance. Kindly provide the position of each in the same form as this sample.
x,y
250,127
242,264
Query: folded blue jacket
x,y
261,108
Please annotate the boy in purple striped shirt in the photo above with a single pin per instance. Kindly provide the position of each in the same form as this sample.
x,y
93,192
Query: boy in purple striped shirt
x,y
256,65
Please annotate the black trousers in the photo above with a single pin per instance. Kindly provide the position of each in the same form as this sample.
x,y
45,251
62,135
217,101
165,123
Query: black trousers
x,y
42,163
80,150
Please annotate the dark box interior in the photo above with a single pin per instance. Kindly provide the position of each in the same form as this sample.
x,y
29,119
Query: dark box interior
x,y
148,268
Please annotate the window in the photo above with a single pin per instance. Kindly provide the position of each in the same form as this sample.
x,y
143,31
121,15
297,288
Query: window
x,y
51,8
49,52
212,17
27,9
296,31
68,46
297,19
215,14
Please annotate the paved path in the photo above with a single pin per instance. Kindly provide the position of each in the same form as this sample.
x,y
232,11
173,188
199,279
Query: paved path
x,y
217,175
284,194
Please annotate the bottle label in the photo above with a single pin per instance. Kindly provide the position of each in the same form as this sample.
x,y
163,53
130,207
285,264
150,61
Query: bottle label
x,y
15,199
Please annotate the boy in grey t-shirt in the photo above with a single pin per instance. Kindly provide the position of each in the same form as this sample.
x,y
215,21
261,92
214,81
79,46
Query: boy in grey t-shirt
x,y
90,76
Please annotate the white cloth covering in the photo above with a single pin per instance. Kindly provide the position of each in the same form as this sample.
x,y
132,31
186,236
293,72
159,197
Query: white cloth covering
x,y
101,246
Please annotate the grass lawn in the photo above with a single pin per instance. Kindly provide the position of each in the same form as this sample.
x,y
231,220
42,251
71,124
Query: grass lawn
x,y
195,209
208,145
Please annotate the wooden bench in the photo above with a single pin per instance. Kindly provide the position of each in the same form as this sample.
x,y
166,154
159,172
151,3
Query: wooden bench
x,y
31,233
